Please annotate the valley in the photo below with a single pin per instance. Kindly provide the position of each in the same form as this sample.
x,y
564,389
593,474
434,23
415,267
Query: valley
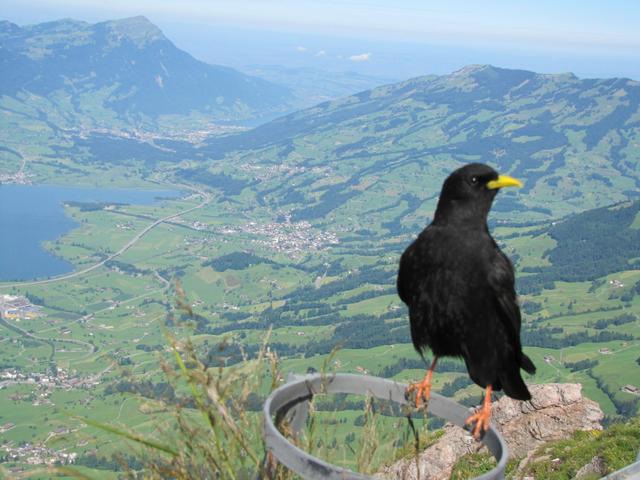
x,y
244,272
291,232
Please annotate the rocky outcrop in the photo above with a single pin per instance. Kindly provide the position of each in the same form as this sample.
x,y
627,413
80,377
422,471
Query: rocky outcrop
x,y
555,411
595,468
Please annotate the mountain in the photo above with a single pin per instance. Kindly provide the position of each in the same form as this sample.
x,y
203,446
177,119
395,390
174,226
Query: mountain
x,y
122,71
575,143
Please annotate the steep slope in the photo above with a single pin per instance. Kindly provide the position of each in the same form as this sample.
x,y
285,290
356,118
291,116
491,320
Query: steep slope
x,y
575,142
125,70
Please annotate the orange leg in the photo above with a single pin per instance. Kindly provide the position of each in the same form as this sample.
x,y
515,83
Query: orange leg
x,y
482,416
423,389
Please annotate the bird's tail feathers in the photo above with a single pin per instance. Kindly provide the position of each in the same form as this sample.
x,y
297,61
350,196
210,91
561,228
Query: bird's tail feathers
x,y
513,385
526,364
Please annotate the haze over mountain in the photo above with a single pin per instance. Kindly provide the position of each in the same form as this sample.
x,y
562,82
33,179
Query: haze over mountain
x,y
123,71
315,85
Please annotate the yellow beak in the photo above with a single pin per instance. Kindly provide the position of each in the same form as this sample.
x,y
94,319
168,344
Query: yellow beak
x,y
504,181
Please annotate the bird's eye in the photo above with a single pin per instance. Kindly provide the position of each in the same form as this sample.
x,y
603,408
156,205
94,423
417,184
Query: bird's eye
x,y
474,180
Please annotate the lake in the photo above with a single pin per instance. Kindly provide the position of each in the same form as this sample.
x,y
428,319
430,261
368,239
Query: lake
x,y
32,214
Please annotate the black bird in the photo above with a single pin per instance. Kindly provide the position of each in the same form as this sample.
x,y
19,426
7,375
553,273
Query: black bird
x,y
459,288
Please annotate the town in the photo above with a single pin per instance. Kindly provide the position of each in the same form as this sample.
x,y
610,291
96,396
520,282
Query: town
x,y
46,382
14,307
290,238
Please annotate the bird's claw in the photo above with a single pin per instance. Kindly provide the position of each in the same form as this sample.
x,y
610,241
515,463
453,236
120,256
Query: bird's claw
x,y
480,421
423,392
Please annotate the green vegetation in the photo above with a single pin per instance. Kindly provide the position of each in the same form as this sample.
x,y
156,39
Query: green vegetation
x,y
306,221
475,464
123,73
237,288
589,245
614,448
617,447
235,261
384,152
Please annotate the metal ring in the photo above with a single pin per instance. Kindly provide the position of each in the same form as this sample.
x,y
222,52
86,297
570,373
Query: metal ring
x,y
296,393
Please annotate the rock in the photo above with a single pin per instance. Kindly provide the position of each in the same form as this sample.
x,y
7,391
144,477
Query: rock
x,y
595,467
555,411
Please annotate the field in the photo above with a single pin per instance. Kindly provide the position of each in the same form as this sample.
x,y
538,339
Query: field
x,y
296,227
106,329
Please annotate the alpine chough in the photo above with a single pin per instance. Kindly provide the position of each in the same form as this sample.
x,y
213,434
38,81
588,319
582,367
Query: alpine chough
x,y
459,288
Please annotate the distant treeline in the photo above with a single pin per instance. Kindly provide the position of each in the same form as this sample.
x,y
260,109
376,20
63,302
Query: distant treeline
x,y
127,267
156,391
626,408
405,363
335,196
581,365
368,331
236,261
92,206
221,181
116,463
449,389
543,337
619,320
366,295
589,245
149,348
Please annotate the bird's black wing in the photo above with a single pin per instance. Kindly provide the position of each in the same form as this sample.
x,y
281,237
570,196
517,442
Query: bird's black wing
x,y
414,265
502,282
406,275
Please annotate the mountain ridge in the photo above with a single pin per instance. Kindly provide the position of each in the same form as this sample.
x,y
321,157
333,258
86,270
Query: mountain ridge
x,y
573,141
137,29
127,66
404,87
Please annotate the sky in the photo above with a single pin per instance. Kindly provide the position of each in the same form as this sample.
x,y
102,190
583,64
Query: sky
x,y
394,39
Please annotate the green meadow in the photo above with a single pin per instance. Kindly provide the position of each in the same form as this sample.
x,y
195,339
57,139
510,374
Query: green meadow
x,y
225,274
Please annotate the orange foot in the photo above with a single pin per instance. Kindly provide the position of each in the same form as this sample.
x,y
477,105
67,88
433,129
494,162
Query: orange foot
x,y
482,417
423,390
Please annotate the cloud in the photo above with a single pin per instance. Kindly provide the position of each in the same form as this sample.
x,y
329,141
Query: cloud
x,y
321,53
301,49
363,57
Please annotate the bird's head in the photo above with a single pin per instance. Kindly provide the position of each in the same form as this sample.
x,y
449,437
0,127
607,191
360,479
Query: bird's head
x,y
467,194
